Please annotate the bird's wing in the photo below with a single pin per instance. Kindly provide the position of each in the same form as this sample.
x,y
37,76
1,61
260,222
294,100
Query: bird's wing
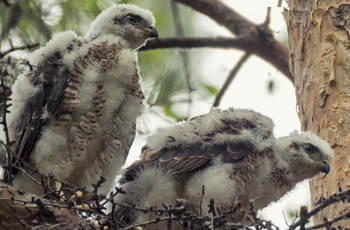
x,y
51,77
180,160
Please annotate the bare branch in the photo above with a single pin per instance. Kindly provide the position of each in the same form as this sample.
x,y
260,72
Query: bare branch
x,y
183,53
336,197
5,99
218,42
12,49
268,17
330,222
222,14
230,78
279,4
303,217
256,41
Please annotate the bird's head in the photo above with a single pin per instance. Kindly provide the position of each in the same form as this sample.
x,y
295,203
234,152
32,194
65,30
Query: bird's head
x,y
306,154
130,22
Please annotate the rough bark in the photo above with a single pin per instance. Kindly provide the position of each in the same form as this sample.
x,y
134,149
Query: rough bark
x,y
320,64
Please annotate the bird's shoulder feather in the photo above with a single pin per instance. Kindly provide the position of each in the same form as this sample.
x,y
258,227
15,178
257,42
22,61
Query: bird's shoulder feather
x,y
50,77
199,155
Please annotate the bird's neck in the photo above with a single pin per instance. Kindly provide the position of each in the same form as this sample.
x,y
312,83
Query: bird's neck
x,y
112,39
286,170
291,167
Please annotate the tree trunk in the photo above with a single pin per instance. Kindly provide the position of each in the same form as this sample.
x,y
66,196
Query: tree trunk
x,y
319,61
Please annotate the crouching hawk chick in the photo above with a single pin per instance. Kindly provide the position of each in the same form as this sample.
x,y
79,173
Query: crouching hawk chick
x,y
73,114
232,153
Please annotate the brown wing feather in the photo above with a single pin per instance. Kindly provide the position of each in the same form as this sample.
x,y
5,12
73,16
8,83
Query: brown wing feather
x,y
51,77
181,160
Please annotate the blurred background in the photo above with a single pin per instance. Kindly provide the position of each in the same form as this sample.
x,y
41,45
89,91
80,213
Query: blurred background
x,y
178,83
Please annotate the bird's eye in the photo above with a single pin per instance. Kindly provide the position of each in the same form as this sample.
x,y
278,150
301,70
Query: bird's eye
x,y
131,19
309,149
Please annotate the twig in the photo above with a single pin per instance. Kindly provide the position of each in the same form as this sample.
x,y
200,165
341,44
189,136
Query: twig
x,y
12,49
10,165
98,184
112,195
5,93
143,210
201,201
114,219
157,220
64,225
24,173
336,197
268,17
230,78
183,53
6,3
187,43
274,52
212,207
303,217
279,4
5,97
330,222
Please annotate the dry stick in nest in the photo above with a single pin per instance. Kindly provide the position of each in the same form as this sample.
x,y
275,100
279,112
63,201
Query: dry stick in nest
x,y
201,201
336,197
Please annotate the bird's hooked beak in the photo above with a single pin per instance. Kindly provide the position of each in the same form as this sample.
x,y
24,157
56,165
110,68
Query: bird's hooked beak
x,y
325,167
153,33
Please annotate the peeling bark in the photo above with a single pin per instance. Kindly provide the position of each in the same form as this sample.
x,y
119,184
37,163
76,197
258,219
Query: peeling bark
x,y
319,33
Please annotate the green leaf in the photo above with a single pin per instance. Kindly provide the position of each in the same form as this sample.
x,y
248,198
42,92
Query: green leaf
x,y
211,89
168,111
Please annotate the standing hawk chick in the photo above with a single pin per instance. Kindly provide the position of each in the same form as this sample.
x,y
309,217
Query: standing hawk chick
x,y
73,115
232,153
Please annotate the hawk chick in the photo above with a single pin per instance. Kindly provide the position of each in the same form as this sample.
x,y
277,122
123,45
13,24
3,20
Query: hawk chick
x,y
232,153
73,115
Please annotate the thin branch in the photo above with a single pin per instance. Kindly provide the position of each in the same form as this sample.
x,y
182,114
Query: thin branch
x,y
5,99
201,201
218,42
157,220
12,49
6,3
5,93
330,222
268,17
23,171
303,217
336,197
222,14
230,78
256,42
279,4
183,53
